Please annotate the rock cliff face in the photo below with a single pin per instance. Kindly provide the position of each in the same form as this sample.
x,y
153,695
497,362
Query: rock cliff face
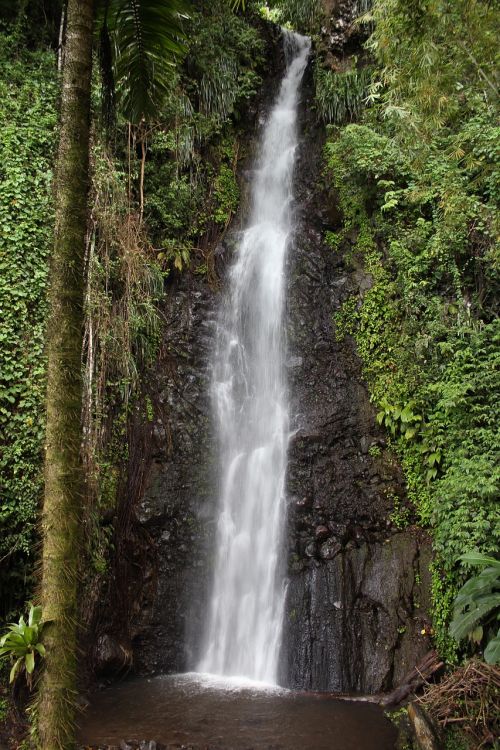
x,y
356,597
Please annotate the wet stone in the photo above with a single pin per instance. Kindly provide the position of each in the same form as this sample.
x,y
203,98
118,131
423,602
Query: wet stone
x,y
329,549
311,549
321,533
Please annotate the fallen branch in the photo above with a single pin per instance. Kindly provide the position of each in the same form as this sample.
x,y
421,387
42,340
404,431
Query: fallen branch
x,y
411,682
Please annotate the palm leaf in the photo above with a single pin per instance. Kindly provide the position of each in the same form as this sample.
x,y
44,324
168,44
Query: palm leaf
x,y
148,38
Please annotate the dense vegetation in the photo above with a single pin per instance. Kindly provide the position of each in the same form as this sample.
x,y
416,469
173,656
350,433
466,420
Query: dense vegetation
x,y
28,121
190,151
418,182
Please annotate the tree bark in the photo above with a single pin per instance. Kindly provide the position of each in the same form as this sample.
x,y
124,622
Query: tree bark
x,y
63,470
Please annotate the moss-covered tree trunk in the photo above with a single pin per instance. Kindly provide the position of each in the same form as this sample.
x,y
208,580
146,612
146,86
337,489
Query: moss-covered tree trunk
x,y
63,471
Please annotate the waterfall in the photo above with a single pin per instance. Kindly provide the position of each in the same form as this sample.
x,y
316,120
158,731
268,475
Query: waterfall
x,y
244,621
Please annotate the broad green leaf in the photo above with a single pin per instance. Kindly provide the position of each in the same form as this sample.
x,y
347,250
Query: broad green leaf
x,y
28,635
15,670
477,586
35,615
407,415
464,622
492,650
29,660
476,558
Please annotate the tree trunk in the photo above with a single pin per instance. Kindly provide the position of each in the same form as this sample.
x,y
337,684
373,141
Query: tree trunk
x,y
63,470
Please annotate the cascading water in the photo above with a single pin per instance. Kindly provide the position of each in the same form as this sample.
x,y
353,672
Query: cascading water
x,y
243,631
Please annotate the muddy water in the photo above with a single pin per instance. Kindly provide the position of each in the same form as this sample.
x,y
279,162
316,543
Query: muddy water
x,y
229,715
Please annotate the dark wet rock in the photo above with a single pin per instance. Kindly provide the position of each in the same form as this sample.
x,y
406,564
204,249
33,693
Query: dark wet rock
x,y
321,533
311,549
111,657
365,599
329,549
357,601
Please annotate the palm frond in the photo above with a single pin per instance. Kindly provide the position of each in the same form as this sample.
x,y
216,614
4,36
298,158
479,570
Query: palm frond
x,y
148,38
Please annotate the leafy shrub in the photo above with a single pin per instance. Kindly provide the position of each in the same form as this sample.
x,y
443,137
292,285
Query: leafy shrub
x,y
303,15
21,644
477,606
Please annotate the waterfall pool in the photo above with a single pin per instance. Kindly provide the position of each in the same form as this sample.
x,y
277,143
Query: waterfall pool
x,y
212,713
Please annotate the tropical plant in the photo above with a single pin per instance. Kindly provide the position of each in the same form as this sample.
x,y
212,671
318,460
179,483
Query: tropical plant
x,y
340,95
139,43
427,53
477,606
22,643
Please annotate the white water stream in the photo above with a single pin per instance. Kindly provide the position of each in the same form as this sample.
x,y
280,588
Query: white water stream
x,y
244,624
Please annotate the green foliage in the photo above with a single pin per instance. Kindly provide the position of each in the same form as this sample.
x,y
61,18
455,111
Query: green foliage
x,y
4,709
333,239
27,126
455,739
436,60
443,590
21,643
476,608
222,83
191,152
339,95
400,515
189,180
226,194
122,335
144,40
419,195
303,15
226,190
